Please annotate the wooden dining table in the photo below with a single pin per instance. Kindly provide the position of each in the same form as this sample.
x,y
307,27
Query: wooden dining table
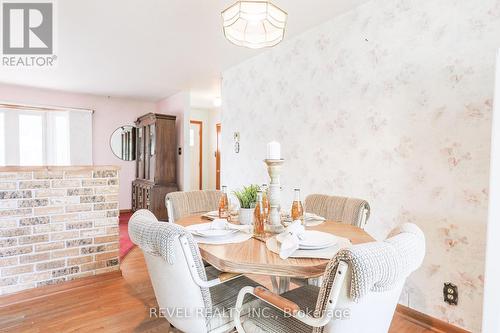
x,y
253,256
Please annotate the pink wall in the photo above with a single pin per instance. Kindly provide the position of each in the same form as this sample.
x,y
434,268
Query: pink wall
x,y
110,113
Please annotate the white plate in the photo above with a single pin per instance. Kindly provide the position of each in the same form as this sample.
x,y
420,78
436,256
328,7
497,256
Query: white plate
x,y
313,240
204,230
212,233
213,213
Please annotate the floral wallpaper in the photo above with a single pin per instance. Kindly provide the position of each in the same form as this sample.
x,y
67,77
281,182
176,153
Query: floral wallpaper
x,y
390,102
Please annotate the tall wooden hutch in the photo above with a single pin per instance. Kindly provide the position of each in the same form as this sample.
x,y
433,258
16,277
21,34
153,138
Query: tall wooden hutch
x,y
156,173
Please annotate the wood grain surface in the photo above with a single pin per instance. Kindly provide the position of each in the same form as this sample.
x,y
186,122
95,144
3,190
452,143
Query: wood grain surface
x,y
253,257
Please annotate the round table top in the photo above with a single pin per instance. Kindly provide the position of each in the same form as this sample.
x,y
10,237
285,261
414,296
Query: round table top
x,y
253,257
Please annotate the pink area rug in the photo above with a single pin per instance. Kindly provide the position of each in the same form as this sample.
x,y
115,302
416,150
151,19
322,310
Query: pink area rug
x,y
125,243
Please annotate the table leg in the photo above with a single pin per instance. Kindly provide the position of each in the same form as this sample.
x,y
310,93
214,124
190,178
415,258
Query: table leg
x,y
284,284
280,284
315,281
274,282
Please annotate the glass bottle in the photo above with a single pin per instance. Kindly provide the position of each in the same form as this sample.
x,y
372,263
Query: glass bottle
x,y
265,200
259,217
224,204
297,209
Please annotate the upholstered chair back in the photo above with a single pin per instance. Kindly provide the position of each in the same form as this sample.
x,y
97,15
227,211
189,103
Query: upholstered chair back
x,y
181,204
169,250
372,286
341,209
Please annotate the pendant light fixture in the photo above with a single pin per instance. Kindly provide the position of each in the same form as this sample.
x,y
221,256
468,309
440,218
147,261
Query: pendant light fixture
x,y
254,24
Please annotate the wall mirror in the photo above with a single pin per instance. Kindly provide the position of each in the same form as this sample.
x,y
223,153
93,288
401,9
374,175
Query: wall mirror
x,y
122,142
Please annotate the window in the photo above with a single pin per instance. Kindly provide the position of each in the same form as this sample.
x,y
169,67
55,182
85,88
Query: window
x,y
31,139
43,137
59,138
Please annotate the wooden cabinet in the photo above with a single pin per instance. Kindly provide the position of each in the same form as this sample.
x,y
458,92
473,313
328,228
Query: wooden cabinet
x,y
156,173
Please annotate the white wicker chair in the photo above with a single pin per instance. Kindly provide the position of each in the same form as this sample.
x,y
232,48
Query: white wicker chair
x,y
341,305
181,204
193,298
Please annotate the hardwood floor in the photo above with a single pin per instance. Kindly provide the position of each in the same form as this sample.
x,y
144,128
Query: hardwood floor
x,y
116,305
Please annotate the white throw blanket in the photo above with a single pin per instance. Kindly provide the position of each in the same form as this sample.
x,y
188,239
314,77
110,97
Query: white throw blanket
x,y
377,266
290,239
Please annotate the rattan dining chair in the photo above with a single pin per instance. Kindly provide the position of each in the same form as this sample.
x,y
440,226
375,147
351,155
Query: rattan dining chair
x,y
181,204
361,289
342,209
193,298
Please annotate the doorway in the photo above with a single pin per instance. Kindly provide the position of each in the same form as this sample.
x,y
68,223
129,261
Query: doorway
x,y
217,157
196,152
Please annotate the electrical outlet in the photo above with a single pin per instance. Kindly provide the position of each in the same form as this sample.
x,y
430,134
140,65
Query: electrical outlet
x,y
450,293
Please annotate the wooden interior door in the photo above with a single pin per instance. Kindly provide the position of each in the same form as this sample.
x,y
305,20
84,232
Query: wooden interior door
x,y
196,151
217,157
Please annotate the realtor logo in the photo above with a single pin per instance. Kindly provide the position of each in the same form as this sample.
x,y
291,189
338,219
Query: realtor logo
x,y
28,29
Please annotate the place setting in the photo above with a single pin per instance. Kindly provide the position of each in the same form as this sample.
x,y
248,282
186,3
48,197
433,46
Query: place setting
x,y
297,242
310,219
220,231
212,215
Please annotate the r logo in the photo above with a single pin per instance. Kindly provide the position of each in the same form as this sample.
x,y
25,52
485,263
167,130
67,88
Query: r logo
x,y
27,28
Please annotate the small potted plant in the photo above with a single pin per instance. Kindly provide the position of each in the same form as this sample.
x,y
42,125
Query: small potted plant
x,y
247,198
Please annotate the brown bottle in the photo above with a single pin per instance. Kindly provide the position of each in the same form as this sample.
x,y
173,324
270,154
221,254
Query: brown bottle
x,y
224,204
297,209
259,217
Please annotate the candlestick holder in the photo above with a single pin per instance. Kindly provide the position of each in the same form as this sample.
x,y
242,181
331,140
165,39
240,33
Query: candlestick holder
x,y
274,171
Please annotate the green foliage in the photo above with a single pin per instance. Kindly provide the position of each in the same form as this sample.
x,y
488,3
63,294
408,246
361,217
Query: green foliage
x,y
247,196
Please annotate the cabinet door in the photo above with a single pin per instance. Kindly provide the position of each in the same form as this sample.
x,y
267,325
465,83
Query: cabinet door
x,y
166,152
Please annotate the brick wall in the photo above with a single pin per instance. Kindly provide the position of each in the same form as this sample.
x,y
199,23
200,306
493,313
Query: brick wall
x,y
57,224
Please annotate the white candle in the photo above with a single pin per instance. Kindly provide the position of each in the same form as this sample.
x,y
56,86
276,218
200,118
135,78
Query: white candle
x,y
273,150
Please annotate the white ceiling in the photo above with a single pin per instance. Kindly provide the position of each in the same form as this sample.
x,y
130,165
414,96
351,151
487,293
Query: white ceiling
x,y
151,49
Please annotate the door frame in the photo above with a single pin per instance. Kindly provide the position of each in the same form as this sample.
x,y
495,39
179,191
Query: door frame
x,y
199,122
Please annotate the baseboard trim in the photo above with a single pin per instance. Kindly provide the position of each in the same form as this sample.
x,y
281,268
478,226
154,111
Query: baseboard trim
x,y
36,293
427,321
125,211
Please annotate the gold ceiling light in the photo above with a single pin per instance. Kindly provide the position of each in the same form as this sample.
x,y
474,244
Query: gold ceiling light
x,y
254,24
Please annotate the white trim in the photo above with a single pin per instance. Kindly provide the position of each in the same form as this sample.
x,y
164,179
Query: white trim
x,y
41,107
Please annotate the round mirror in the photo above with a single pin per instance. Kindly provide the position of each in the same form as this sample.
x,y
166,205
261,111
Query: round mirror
x,y
122,142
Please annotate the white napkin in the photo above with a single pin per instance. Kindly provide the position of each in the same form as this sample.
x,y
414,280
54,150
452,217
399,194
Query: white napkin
x,y
222,224
290,238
